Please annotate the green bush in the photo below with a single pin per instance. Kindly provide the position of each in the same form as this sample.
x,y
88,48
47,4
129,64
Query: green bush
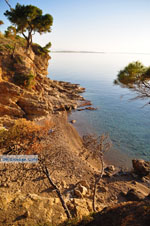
x,y
26,80
133,74
9,46
18,59
42,51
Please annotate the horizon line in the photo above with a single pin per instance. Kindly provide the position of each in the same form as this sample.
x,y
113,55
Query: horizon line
x,y
98,52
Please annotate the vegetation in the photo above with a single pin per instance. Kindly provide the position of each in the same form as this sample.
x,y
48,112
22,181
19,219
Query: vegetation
x,y
97,146
42,51
137,77
24,137
1,22
79,222
28,20
10,32
26,80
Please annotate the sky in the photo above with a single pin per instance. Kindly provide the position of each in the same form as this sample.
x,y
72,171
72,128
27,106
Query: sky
x,y
93,25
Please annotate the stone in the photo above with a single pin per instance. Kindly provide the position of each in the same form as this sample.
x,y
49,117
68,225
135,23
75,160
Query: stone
x,y
141,167
102,189
82,189
73,121
110,168
81,207
90,108
63,184
84,183
134,195
78,193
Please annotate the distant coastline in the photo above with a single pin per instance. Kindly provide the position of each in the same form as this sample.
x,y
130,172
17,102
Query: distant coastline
x,y
72,51
95,52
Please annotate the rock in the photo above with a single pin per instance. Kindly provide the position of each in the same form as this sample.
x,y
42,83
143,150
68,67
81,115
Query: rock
x,y
146,179
102,189
78,193
110,168
73,121
42,98
81,207
63,184
85,103
30,209
82,189
84,183
123,214
134,195
141,167
90,108
87,108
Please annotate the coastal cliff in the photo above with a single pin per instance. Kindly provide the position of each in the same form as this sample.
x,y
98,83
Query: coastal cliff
x,y
25,89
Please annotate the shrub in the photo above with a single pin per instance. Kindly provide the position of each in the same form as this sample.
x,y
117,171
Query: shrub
x,y
24,137
26,80
131,73
18,59
10,32
9,46
39,50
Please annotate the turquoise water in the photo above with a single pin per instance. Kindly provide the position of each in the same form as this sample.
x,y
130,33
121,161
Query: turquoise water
x,y
126,121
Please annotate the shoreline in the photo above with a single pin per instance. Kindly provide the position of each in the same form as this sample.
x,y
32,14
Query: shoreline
x,y
113,157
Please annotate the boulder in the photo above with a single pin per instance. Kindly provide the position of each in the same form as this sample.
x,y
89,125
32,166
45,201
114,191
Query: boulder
x,y
73,121
84,183
109,170
141,167
82,207
80,191
134,195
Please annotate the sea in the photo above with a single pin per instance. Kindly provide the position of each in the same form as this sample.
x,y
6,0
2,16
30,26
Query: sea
x,y
125,119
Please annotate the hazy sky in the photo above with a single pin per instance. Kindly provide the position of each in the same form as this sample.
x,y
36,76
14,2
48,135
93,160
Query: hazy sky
x,y
94,25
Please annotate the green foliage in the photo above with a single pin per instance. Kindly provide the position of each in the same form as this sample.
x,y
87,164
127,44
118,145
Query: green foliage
x,y
18,59
131,73
1,47
39,50
146,75
8,46
26,80
28,20
10,32
47,47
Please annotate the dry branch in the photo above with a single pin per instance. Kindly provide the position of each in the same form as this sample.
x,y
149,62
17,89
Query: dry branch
x,y
97,147
46,172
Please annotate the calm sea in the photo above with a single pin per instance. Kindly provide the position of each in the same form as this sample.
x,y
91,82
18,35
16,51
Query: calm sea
x,y
126,121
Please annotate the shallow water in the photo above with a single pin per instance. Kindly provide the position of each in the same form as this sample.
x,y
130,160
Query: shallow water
x,y
126,121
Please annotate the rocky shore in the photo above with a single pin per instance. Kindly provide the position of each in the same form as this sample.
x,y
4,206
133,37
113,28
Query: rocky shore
x,y
26,197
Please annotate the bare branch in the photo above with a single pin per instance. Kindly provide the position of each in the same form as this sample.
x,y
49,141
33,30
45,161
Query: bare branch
x,y
97,147
46,172
7,2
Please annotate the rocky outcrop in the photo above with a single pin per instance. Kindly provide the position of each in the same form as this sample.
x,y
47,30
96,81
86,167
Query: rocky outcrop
x,y
29,209
124,214
43,97
141,167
